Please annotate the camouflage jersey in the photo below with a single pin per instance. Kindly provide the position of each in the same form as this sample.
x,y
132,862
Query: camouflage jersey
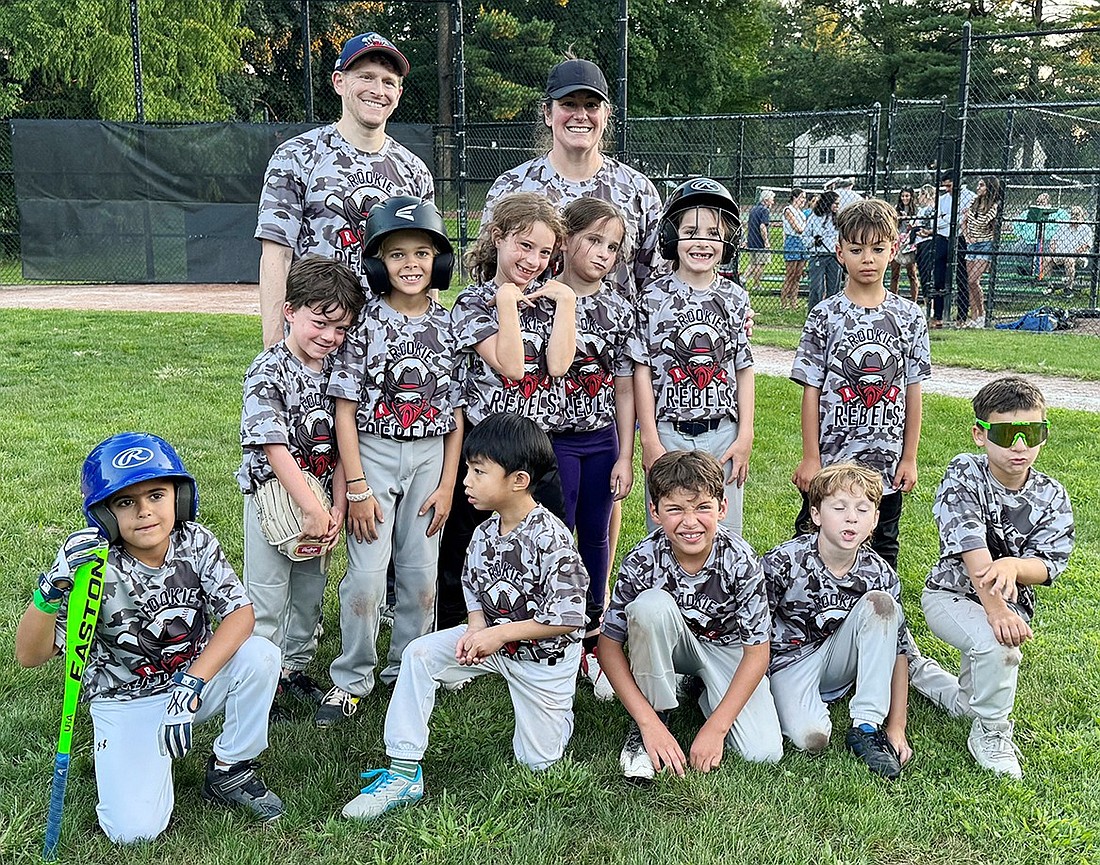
x,y
155,621
629,190
975,511
398,369
862,360
695,342
484,390
285,404
532,573
809,603
318,188
605,321
725,603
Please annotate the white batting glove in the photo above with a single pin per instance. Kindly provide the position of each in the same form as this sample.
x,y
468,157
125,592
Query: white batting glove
x,y
175,729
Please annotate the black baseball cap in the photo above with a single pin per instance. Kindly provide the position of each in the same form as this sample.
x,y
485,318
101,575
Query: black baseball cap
x,y
371,43
572,75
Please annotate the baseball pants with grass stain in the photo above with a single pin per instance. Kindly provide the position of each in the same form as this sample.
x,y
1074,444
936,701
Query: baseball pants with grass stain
x,y
402,473
862,651
661,645
542,697
134,779
286,595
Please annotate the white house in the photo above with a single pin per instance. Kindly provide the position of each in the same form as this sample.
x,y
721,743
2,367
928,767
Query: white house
x,y
826,156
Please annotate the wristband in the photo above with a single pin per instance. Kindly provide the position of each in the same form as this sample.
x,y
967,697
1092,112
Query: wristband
x,y
360,497
48,607
355,480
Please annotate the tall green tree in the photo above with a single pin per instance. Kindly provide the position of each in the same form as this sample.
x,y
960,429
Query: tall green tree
x,y
54,46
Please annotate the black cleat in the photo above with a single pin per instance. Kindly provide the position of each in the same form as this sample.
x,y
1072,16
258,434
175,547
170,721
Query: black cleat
x,y
240,786
873,748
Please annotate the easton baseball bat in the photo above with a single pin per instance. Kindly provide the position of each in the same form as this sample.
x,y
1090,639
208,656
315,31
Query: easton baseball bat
x,y
84,601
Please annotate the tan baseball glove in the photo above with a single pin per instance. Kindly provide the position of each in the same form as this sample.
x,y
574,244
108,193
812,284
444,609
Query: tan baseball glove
x,y
281,519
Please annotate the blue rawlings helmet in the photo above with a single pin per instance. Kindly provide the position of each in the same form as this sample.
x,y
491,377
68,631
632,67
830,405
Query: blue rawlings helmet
x,y
129,458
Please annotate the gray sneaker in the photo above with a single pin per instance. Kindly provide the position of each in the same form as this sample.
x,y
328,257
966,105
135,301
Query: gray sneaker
x,y
634,759
337,705
994,749
240,786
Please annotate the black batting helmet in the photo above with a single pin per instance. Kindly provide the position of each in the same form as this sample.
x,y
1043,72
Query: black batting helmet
x,y
402,213
698,192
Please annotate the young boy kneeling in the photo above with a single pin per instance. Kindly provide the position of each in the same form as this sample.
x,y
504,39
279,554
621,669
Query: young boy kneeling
x,y
155,666
525,590
690,599
837,621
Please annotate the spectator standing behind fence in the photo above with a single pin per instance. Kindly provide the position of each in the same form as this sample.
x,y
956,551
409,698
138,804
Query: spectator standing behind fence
x,y
794,250
576,110
907,248
926,250
1070,240
757,241
843,187
978,228
820,238
319,185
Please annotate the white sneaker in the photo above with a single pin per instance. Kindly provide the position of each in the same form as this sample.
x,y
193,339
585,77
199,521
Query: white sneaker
x,y
385,791
634,760
601,686
457,686
994,749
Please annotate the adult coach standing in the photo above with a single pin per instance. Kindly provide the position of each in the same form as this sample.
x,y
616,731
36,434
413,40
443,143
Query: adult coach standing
x,y
320,185
577,110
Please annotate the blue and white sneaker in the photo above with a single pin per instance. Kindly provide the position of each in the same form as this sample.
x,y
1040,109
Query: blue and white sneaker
x,y
385,791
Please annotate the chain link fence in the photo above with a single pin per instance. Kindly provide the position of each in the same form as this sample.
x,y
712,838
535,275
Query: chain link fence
x,y
477,106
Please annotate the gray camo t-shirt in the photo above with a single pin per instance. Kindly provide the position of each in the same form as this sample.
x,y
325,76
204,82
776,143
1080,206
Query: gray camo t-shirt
x,y
628,189
399,370
695,342
154,622
862,360
724,603
809,603
285,404
318,188
533,572
974,510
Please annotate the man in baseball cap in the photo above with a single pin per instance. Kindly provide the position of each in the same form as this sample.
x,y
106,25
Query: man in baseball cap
x,y
371,43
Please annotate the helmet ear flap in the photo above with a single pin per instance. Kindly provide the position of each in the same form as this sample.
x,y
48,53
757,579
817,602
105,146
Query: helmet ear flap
x,y
187,503
442,269
377,278
667,238
101,515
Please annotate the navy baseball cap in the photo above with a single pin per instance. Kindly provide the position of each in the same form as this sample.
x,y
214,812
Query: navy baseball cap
x,y
371,43
570,76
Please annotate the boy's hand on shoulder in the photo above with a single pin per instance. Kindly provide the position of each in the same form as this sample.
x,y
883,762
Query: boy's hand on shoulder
x,y
439,501
1009,627
363,518
906,477
707,749
805,472
999,578
662,747
738,457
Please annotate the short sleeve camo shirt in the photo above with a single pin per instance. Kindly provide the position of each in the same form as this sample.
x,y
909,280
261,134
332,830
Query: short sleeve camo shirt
x,y
973,510
533,572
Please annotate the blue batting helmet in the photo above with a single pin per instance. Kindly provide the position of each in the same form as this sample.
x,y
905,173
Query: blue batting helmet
x,y
129,458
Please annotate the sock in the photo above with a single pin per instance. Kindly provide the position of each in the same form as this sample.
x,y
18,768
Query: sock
x,y
407,769
865,726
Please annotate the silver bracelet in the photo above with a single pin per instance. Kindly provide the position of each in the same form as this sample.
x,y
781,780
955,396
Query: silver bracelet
x,y
360,497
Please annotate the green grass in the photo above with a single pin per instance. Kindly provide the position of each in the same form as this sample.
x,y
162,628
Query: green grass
x,y
73,378
1063,354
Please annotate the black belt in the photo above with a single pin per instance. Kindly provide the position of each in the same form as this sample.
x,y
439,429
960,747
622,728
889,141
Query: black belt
x,y
696,427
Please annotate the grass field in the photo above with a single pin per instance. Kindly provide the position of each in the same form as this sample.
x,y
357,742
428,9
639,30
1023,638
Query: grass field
x,y
73,378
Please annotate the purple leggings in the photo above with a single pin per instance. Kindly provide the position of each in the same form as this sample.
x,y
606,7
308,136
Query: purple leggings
x,y
585,460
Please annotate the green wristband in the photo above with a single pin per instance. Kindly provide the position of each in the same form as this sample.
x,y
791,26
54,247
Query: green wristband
x,y
48,607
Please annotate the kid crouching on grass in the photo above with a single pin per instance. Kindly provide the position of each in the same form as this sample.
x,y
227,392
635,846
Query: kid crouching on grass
x,y
287,439
400,435
690,599
593,431
1004,529
155,666
524,586
693,382
837,622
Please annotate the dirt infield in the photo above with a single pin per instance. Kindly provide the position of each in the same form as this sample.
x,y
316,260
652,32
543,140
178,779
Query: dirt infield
x,y
244,299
